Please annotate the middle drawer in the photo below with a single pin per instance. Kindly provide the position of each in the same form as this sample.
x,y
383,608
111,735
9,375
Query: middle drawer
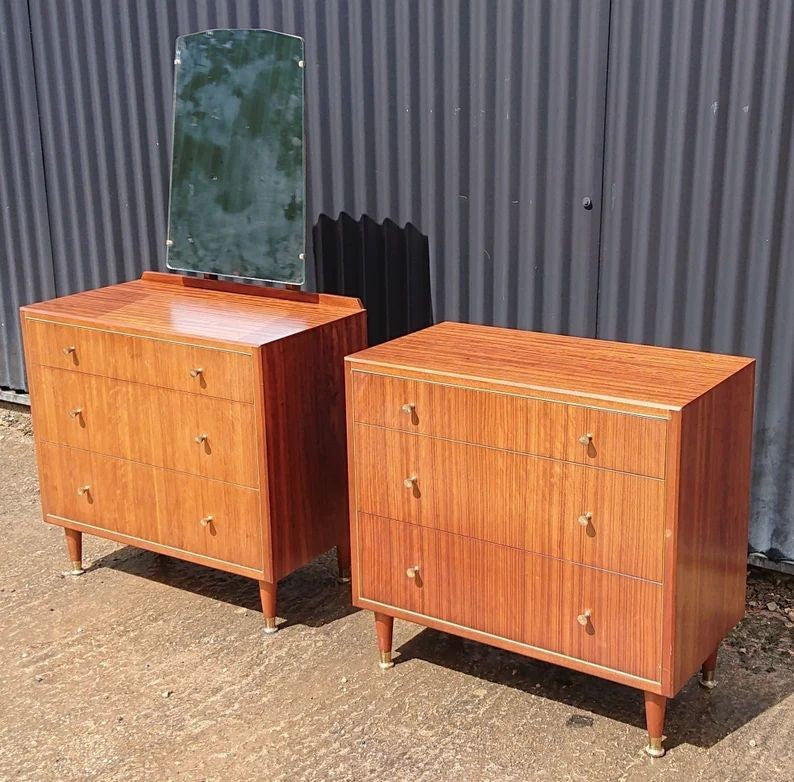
x,y
596,517
215,438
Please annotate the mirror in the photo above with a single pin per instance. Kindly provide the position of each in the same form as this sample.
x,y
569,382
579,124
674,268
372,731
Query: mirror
x,y
237,167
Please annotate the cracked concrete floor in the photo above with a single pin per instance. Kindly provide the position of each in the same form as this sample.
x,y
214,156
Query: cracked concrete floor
x,y
150,668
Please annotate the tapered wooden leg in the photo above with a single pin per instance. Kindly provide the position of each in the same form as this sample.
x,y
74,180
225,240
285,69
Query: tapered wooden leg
x,y
74,542
343,558
267,594
655,706
707,678
384,627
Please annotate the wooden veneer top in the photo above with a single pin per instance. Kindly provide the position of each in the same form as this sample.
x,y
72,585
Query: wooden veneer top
x,y
638,374
179,307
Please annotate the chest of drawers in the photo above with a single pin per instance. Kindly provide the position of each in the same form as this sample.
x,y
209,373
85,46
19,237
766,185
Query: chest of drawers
x,y
195,418
577,501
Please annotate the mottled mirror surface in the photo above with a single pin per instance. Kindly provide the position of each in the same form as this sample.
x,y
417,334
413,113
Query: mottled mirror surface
x,y
237,171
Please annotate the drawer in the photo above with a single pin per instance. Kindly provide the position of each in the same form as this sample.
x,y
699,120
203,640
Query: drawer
x,y
501,420
608,519
580,612
588,614
601,438
153,504
618,441
183,367
215,438
67,479
449,569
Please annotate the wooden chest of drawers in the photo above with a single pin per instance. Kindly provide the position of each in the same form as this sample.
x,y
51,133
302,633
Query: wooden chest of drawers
x,y
195,418
578,501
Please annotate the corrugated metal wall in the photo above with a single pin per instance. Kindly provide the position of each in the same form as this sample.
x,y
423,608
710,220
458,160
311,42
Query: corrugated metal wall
x,y
697,247
484,124
26,271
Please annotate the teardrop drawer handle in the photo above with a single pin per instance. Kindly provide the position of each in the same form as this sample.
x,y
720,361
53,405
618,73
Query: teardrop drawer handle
x,y
75,412
412,572
196,372
408,408
206,521
585,518
586,439
584,618
200,438
410,482
83,490
69,349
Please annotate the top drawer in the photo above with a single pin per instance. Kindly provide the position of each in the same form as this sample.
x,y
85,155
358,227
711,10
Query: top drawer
x,y
183,367
576,433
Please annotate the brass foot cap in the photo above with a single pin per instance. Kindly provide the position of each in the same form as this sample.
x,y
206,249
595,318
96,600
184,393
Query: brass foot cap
x,y
270,625
385,661
77,568
344,576
708,681
655,748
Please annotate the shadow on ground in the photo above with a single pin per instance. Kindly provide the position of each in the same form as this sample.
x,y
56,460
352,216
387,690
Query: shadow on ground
x,y
310,596
696,716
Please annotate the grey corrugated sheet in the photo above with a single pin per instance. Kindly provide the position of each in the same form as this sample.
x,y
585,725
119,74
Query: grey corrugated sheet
x,y
481,123
698,236
25,261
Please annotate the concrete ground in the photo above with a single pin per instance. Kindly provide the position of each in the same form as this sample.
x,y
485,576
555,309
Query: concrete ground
x,y
150,668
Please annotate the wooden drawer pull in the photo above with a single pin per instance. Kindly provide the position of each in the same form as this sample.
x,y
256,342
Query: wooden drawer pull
x,y
586,439
412,572
196,372
74,413
584,618
206,521
69,349
585,518
84,490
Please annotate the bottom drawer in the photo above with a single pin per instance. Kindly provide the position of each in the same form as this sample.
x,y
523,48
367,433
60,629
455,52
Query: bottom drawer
x,y
152,504
577,611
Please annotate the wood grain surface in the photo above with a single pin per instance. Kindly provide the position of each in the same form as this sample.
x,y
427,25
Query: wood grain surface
x,y
574,432
526,502
177,400
586,368
523,597
152,504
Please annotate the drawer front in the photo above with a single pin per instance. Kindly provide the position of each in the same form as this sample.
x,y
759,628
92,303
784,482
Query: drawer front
x,y
580,612
215,438
183,367
154,505
501,420
618,441
588,614
600,438
598,517
67,482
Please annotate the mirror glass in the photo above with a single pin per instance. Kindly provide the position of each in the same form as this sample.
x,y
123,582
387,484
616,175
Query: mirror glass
x,y
237,167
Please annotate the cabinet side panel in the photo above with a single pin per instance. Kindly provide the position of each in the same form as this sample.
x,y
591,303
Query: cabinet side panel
x,y
34,390
304,390
711,530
